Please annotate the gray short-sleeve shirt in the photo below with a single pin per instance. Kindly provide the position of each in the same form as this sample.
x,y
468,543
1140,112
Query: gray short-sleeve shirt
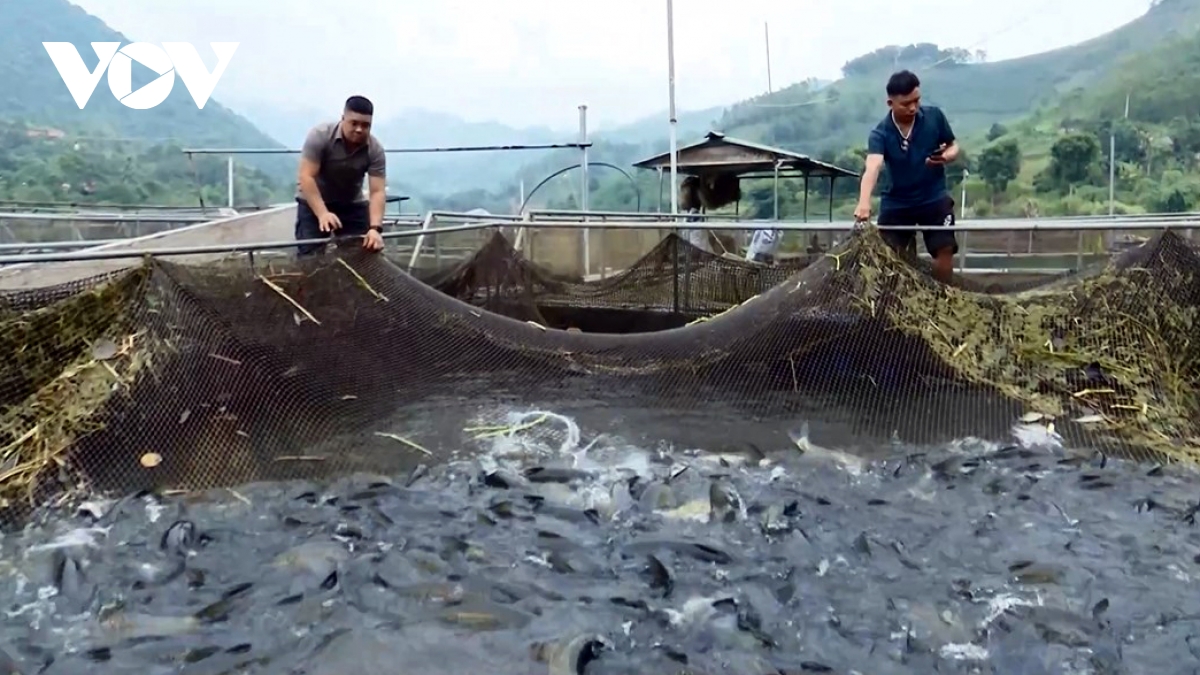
x,y
340,178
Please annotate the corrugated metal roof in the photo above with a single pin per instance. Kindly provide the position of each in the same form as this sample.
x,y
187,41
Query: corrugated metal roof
x,y
791,162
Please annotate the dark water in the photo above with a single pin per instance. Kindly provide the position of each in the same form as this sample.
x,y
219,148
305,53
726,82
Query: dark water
x,y
968,559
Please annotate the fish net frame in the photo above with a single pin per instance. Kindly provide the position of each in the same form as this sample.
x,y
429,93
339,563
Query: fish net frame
x,y
1106,356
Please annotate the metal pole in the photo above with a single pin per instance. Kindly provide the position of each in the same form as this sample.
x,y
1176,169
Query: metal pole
x,y
583,192
767,39
1112,174
660,189
805,218
1112,181
671,107
962,199
674,144
453,148
229,178
776,216
426,224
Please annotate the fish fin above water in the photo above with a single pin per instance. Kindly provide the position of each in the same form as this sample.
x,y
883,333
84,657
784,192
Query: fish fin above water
x,y
801,437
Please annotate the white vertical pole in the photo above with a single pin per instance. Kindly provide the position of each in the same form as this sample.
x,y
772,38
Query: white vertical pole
x,y
671,108
583,193
229,179
767,39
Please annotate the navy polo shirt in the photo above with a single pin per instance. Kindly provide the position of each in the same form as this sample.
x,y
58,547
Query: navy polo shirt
x,y
913,184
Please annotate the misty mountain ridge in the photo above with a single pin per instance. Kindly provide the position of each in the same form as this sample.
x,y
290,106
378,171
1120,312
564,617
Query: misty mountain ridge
x,y
432,174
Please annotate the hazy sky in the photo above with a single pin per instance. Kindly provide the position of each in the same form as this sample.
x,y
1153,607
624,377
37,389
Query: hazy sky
x,y
532,62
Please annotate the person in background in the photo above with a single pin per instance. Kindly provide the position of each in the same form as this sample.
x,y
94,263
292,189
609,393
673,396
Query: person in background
x,y
764,245
690,203
329,198
915,143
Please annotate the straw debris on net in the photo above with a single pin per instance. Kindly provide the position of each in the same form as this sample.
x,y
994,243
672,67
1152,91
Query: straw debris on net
x,y
66,360
1078,350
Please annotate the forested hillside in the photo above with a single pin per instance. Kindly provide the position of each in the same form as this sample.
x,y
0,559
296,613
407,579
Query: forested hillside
x,y
107,149
1035,129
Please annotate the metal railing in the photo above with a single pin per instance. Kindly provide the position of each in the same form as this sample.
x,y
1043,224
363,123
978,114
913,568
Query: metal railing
x,y
33,229
1105,225
601,220
101,217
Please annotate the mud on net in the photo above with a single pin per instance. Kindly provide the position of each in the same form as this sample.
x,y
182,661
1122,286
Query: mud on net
x,y
189,377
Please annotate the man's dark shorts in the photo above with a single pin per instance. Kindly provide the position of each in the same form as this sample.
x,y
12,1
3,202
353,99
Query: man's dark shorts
x,y
355,217
940,213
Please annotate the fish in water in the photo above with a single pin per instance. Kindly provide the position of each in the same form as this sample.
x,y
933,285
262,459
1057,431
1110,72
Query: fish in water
x,y
657,496
569,656
179,538
552,474
852,464
659,575
118,623
67,575
725,504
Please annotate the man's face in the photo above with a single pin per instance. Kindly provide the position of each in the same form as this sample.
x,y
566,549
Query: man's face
x,y
355,127
905,107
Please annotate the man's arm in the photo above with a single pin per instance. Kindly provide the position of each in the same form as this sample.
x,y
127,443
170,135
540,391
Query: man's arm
x,y
946,137
870,177
874,164
376,181
310,165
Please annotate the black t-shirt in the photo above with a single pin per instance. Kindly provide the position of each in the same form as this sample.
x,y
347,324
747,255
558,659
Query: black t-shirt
x,y
913,183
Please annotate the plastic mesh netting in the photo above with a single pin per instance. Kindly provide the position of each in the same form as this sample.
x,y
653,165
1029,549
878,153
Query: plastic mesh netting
x,y
173,376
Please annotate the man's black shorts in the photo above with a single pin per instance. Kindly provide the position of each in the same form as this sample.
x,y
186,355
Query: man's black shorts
x,y
355,217
940,213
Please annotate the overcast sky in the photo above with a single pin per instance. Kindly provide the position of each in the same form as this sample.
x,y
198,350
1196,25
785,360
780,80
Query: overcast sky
x,y
532,62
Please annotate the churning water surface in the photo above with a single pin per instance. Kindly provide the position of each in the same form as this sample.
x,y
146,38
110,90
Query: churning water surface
x,y
552,552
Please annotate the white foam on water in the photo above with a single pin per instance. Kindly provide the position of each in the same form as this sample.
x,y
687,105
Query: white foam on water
x,y
964,652
519,439
76,537
1036,436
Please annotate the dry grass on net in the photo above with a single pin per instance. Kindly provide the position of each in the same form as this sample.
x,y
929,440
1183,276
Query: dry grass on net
x,y
1127,326
68,359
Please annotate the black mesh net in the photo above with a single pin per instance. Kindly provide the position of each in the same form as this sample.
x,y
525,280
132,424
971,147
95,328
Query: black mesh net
x,y
189,377
672,285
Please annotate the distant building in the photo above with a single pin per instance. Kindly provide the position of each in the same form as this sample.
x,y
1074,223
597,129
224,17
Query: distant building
x,y
44,132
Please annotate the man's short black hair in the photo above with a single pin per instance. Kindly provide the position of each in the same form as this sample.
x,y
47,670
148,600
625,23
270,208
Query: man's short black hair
x,y
361,105
902,83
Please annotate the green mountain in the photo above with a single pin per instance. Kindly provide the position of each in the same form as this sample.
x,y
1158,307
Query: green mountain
x,y
106,151
652,129
975,95
1032,101
1064,148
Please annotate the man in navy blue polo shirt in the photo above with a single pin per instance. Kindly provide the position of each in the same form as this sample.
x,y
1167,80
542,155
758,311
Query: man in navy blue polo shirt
x,y
915,142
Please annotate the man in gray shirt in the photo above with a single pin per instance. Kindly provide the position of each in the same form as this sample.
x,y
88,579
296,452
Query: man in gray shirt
x,y
329,197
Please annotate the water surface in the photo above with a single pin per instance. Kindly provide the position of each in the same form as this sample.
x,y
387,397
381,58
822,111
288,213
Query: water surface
x,y
542,546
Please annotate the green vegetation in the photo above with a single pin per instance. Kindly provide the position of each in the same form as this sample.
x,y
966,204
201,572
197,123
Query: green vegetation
x,y
107,152
35,168
1035,130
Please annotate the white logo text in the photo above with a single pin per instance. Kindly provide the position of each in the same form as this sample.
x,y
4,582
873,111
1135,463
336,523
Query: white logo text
x,y
171,58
